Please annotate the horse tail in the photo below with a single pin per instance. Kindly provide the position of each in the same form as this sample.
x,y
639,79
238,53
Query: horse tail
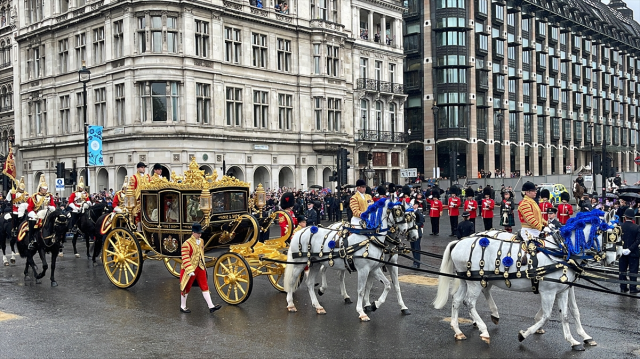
x,y
290,284
444,282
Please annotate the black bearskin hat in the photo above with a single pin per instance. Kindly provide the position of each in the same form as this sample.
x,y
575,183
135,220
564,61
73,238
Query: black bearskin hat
x,y
469,192
486,191
287,200
435,193
564,196
454,190
381,190
406,190
545,193
392,187
368,191
528,186
301,219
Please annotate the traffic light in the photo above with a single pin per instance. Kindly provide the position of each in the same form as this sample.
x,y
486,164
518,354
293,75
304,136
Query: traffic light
x,y
333,177
343,161
60,169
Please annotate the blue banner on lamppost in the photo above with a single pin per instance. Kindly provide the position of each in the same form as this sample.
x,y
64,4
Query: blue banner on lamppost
x,y
95,146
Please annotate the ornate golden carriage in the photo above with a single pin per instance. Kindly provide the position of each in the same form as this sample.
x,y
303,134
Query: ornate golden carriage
x,y
158,219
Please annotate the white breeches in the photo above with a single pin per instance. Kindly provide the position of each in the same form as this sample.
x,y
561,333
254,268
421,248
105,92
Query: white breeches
x,y
529,232
355,222
22,208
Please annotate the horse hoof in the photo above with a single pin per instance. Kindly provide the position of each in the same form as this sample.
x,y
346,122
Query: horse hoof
x,y
292,309
495,320
367,308
38,281
320,293
486,339
590,342
374,307
540,331
578,347
317,284
54,283
364,318
460,336
77,255
520,336
320,310
475,325
27,278
347,301
6,264
406,312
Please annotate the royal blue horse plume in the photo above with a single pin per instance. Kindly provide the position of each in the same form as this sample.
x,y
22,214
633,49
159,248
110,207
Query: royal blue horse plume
x,y
372,217
577,224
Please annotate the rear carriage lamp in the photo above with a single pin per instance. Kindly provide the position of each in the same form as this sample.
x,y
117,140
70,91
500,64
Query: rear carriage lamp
x,y
261,197
129,197
205,204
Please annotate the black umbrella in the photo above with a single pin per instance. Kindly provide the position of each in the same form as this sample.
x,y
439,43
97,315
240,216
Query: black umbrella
x,y
628,195
634,189
470,183
612,195
316,186
349,186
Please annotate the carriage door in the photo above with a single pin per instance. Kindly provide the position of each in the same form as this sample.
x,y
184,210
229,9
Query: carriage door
x,y
170,209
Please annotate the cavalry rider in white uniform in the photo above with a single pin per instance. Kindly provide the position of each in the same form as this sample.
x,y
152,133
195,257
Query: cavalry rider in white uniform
x,y
76,200
19,202
37,207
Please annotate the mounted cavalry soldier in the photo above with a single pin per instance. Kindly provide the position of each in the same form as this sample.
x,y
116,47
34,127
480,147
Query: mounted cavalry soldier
x,y
76,200
529,213
37,206
359,203
19,202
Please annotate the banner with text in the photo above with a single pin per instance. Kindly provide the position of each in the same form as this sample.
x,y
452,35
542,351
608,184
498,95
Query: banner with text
x,y
95,146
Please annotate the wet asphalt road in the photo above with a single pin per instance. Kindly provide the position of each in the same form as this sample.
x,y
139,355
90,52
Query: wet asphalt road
x,y
86,316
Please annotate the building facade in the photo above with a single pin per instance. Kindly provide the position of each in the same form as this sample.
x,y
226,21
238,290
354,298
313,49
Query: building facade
x,y
7,120
266,94
521,86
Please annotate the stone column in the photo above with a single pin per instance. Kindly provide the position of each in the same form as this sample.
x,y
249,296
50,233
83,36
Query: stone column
x,y
429,125
370,25
383,30
356,22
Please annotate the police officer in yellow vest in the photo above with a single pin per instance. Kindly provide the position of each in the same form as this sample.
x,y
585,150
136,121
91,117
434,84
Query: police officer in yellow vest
x,y
359,202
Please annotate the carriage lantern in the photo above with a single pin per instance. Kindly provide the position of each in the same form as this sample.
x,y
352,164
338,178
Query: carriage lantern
x,y
261,199
130,197
205,204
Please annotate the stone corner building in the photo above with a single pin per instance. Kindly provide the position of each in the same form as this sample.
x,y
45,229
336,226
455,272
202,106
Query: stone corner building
x,y
268,95
562,73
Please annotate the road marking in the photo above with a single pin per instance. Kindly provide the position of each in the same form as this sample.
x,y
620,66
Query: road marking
x,y
460,320
418,279
7,316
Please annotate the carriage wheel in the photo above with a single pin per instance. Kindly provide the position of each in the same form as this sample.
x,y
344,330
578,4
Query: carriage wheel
x,y
232,278
173,266
277,280
122,258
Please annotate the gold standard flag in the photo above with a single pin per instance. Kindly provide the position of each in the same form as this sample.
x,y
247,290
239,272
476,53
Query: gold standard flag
x,y
10,166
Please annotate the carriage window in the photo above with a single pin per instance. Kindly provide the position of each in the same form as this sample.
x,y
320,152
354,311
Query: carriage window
x,y
217,202
228,201
170,208
150,205
238,201
192,212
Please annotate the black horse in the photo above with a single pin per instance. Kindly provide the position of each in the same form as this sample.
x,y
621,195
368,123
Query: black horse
x,y
48,239
87,225
5,232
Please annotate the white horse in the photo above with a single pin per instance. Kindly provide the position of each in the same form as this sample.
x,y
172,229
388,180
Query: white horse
x,y
390,257
465,255
311,245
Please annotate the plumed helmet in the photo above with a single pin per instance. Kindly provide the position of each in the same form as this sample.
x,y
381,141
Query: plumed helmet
x,y
43,183
360,183
528,186
21,185
545,193
486,191
406,190
287,200
81,184
564,196
469,192
381,190
629,213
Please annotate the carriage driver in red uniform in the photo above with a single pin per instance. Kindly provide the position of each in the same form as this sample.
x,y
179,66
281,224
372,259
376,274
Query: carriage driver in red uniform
x,y
193,268
37,206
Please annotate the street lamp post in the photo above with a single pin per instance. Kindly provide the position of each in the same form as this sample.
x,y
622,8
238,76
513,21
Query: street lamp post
x,y
500,118
605,163
435,110
593,172
84,76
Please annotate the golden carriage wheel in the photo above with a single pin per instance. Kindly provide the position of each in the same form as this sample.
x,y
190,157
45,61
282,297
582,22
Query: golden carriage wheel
x,y
173,266
232,278
122,258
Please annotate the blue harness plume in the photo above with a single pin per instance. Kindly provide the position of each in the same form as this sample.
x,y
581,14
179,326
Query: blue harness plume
x,y
372,217
576,225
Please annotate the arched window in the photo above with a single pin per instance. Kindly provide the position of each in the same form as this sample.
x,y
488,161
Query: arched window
x,y
378,115
364,114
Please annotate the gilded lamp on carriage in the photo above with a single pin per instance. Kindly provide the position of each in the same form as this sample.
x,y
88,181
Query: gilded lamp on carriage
x,y
205,205
261,198
130,197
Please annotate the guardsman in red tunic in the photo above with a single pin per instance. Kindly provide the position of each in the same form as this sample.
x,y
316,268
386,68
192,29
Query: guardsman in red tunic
x,y
37,207
19,199
486,208
76,200
286,204
193,268
529,213
544,203
470,205
118,199
435,211
565,210
453,205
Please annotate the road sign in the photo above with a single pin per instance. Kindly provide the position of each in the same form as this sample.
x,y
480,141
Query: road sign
x,y
588,178
408,172
59,184
637,160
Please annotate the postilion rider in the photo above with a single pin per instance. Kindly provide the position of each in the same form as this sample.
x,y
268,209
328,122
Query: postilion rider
x,y
193,268
76,200
37,206
529,213
359,203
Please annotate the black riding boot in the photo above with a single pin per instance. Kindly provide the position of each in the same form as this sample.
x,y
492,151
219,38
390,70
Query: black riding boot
x,y
32,237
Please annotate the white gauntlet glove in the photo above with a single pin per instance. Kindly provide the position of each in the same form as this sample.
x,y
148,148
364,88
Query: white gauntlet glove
x,y
192,274
32,215
52,208
625,252
547,229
